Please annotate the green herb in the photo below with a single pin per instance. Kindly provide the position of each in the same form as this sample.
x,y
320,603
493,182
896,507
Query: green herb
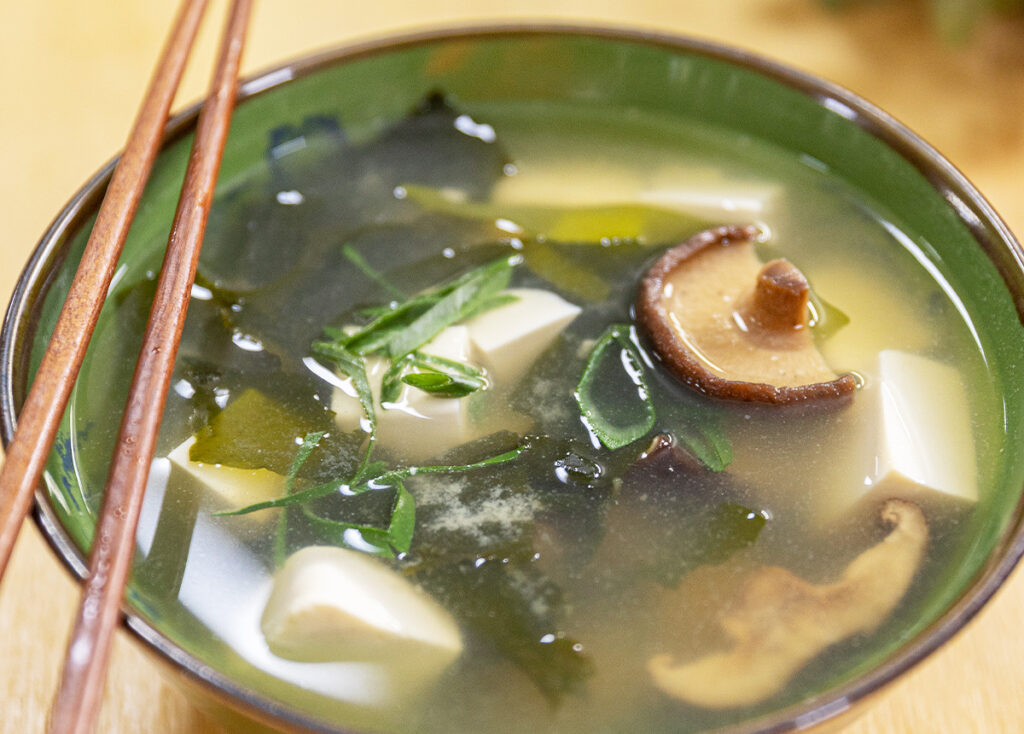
x,y
354,368
391,382
441,377
359,261
488,304
309,442
461,301
502,458
441,385
403,519
445,365
613,358
399,329
375,480
395,539
375,335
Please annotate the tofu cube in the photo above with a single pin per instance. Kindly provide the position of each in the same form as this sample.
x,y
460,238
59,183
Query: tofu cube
x,y
508,339
925,442
230,488
335,604
909,437
417,424
714,200
698,190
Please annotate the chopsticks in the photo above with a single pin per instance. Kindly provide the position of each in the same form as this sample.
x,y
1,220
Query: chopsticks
x,y
42,411
79,695
81,686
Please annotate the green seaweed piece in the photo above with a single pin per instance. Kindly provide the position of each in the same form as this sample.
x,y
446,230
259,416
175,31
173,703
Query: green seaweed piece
x,y
826,319
614,362
255,432
621,223
568,274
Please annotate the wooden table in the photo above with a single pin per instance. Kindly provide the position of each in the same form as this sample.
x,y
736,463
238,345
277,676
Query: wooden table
x,y
72,72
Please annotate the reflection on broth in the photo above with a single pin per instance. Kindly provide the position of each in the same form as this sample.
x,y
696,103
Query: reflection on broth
x,y
425,466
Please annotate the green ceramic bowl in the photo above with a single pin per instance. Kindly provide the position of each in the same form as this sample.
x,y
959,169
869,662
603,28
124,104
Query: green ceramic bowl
x,y
370,85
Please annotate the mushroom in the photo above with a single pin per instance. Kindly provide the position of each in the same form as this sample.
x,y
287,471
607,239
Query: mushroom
x,y
732,327
781,621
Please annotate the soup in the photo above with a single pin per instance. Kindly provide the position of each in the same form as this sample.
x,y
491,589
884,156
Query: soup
x,y
424,468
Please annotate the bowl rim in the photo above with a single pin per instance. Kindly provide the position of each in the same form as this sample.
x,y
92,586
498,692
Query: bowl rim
x,y
974,211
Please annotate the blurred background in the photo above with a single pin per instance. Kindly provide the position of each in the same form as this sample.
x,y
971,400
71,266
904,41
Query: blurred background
x,y
72,74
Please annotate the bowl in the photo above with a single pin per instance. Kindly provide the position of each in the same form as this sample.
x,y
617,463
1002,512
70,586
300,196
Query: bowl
x,y
964,242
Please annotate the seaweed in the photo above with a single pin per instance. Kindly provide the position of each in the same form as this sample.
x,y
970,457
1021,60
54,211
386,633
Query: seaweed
x,y
511,605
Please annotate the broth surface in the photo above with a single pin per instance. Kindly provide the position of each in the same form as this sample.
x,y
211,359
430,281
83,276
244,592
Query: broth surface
x,y
585,565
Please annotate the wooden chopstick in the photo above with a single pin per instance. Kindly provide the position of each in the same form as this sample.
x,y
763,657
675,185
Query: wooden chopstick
x,y
78,698
42,411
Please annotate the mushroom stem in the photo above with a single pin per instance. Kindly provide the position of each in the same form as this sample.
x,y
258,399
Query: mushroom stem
x,y
779,301
781,622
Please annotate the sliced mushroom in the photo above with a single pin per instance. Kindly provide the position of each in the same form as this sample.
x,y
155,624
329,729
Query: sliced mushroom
x,y
732,327
781,621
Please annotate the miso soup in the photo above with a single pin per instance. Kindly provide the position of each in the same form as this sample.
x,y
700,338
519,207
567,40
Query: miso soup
x,y
418,350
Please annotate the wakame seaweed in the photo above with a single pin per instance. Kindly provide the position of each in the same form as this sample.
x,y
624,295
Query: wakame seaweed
x,y
513,606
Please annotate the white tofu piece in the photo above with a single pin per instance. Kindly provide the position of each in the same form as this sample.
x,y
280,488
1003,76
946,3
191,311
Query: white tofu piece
x,y
230,487
697,190
910,438
335,604
508,339
417,424
714,200
925,442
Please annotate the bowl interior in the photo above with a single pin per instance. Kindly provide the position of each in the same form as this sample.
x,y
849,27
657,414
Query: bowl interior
x,y
962,243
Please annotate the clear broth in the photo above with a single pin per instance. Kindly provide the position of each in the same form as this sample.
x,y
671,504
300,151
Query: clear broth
x,y
277,236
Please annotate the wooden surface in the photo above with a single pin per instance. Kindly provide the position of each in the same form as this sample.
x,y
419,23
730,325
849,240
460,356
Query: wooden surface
x,y
72,72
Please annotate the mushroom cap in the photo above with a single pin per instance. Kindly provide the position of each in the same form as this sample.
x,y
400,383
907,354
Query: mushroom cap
x,y
732,327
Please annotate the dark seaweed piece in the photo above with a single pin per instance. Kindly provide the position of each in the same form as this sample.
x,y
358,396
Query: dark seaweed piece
x,y
293,149
690,421
204,378
667,500
252,214
288,238
573,484
512,605
458,158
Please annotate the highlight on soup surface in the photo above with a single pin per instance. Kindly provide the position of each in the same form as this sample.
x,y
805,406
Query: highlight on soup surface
x,y
538,419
